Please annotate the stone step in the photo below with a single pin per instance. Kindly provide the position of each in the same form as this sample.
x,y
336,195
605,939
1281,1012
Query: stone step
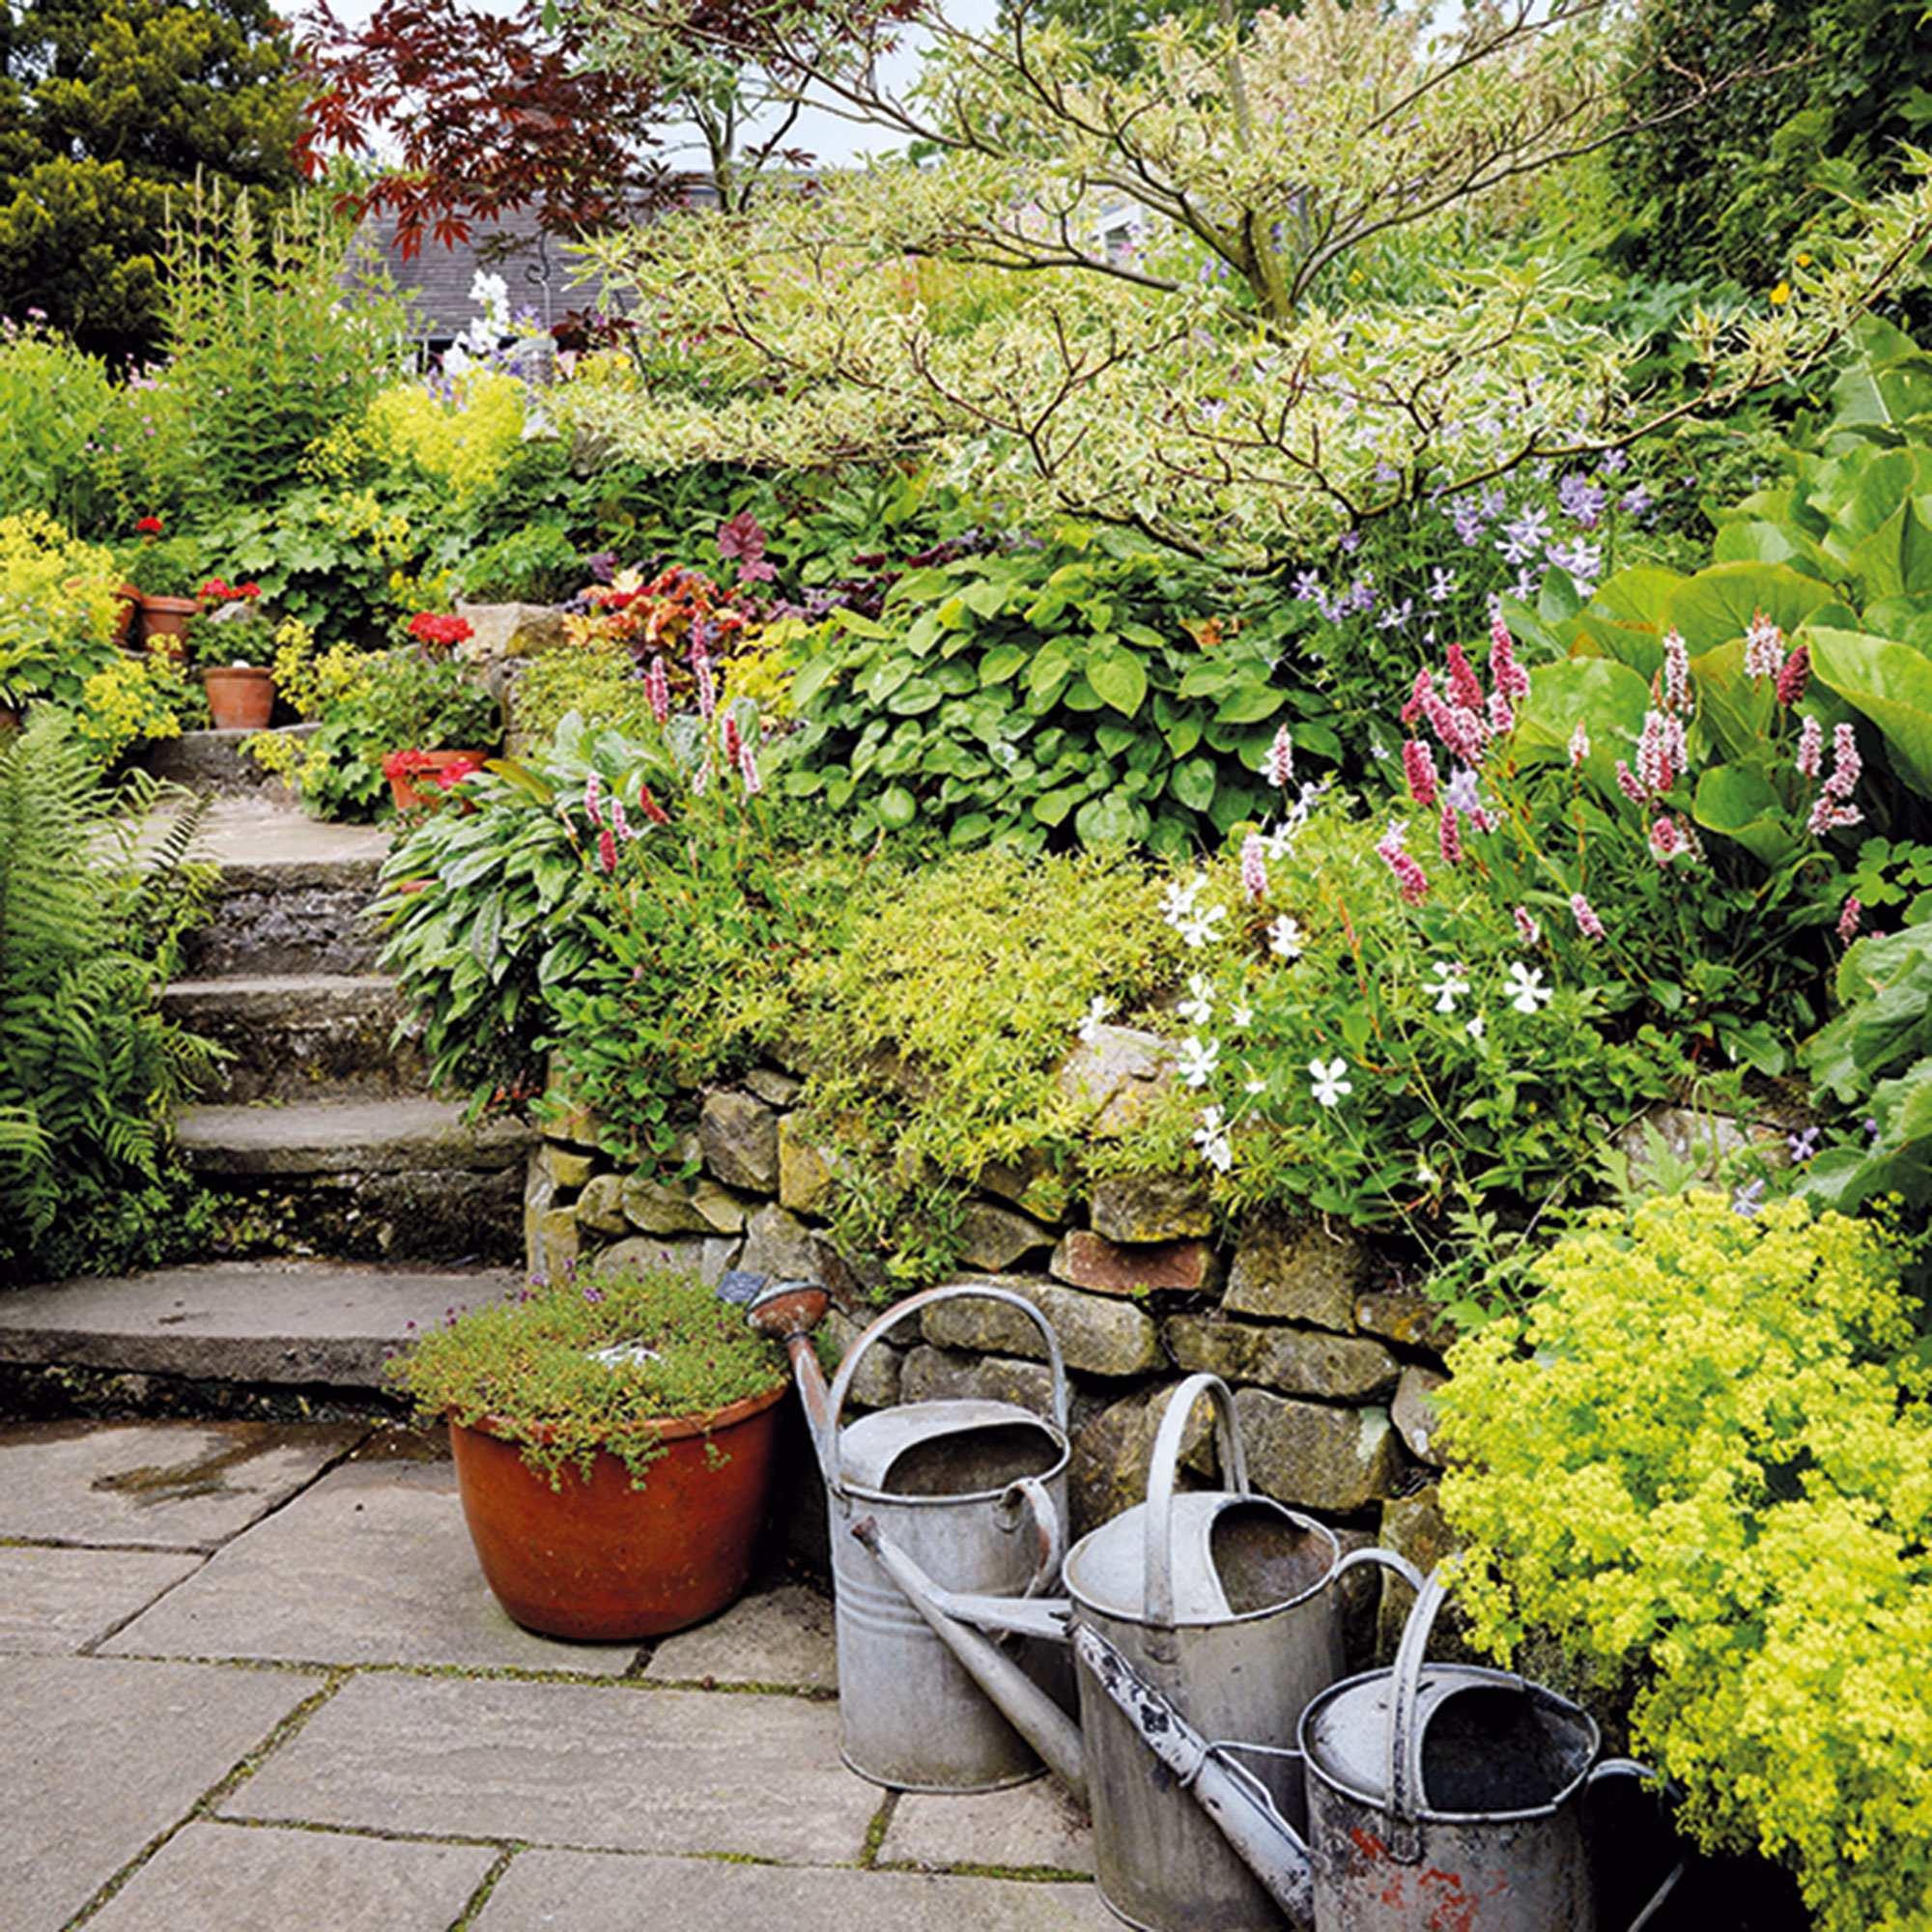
x,y
293,1324
213,761
300,1035
400,1179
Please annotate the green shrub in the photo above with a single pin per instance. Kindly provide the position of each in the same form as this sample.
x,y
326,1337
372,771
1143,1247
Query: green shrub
x,y
57,609
88,935
54,402
1704,1458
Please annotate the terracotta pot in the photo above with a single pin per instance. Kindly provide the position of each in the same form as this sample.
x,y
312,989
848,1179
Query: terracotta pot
x,y
242,696
165,623
10,718
600,1562
418,788
126,607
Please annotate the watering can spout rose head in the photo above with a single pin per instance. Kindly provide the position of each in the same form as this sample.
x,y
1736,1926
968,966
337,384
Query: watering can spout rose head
x,y
784,1309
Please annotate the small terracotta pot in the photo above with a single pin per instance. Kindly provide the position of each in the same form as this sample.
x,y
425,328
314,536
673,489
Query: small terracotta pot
x,y
418,788
240,696
601,1562
126,607
165,623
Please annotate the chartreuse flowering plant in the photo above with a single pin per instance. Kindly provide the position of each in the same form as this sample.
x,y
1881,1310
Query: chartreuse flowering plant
x,y
1703,1459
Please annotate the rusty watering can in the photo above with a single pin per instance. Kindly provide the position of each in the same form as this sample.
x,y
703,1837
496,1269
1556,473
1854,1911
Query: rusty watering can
x,y
1439,1799
973,1492
1224,1600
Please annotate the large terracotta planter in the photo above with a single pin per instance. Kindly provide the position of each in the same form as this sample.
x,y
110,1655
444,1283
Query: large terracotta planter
x,y
241,698
600,1562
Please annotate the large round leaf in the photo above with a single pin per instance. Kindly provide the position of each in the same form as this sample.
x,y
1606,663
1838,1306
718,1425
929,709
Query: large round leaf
x,y
1718,605
1892,685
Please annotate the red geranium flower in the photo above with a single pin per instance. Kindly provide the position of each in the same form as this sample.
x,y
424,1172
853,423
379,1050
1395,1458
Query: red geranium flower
x,y
148,526
433,628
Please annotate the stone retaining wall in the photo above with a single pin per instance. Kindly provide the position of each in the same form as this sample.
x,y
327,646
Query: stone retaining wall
x,y
1331,1370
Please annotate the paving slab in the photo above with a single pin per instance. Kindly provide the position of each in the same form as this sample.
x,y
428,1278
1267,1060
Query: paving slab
x,y
372,1565
1026,1827
589,1892
233,1878
159,1485
103,1755
242,1321
779,1636
54,1602
586,1767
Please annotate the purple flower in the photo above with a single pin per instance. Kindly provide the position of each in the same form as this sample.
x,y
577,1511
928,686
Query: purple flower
x,y
1522,539
1635,501
1580,501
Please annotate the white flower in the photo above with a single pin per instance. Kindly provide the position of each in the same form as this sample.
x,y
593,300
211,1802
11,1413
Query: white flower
x,y
1197,1060
1285,937
1254,1084
1197,930
1329,1085
1450,981
1178,902
1425,1174
1198,1009
1526,989
1211,1138
1095,1019
1242,1016
1475,1028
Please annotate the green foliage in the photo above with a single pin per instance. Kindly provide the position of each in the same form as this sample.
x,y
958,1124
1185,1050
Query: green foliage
x,y
57,609
268,356
138,697
106,108
1091,691
934,1030
457,434
566,1369
1704,1457
538,564
598,680
89,931
54,401
1832,88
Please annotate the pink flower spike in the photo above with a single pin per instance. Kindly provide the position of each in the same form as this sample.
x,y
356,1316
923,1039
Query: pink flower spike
x,y
1676,673
1526,928
1449,836
1254,866
1809,757
1628,784
1579,745
1419,768
1665,841
1846,764
1501,719
733,741
1849,920
620,824
593,801
748,768
1795,676
1507,677
1764,647
1279,766
657,689
606,849
707,686
1465,688
1587,921
1418,698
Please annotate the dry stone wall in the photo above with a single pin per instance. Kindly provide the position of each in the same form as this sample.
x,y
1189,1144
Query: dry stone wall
x,y
1332,1370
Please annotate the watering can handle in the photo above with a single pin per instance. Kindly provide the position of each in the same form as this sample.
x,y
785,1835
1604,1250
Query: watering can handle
x,y
1161,1470
1386,1559
1405,1740
1032,1493
848,1369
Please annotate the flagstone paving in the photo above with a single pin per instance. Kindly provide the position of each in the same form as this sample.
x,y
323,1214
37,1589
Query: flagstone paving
x,y
251,1681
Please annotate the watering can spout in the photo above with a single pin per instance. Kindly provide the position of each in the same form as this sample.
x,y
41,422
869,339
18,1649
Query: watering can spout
x,y
788,1312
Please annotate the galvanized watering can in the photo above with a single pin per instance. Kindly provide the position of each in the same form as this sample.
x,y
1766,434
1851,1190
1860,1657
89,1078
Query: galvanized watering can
x,y
974,1492
1439,1799
1223,1602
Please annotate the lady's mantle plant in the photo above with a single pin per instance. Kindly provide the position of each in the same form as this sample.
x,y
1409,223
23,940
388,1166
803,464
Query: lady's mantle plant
x,y
568,1368
1704,1458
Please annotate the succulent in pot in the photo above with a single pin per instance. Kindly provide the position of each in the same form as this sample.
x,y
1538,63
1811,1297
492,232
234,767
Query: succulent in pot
x,y
614,1445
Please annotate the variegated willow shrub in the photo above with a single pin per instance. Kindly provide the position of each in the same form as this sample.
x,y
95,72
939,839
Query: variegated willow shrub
x,y
1702,1462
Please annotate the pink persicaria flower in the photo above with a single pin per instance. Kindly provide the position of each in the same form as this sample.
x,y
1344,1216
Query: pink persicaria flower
x,y
1676,673
1462,732
1526,927
1507,677
650,808
1278,767
1846,764
748,768
1410,876
1795,676
657,689
1449,836
1849,920
1828,813
1665,841
1660,751
1254,866
1629,786
733,740
1764,647
593,800
606,849
620,824
1418,767
1579,745
1587,921
1501,719
1423,690
1809,757
701,782
1465,688
707,686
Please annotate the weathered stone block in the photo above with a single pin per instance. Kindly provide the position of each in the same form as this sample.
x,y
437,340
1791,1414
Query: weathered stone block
x,y
723,1211
660,1208
1412,1321
773,1087
1099,1335
1318,1457
740,1138
1108,1472
1031,1182
781,1245
995,1237
804,1170
600,1207
1114,1079
1415,1415
1412,1526
876,1386
565,1167
706,1259
499,630
1296,1361
554,1246
563,1113
1294,1271
939,1375
1151,1208
1086,1260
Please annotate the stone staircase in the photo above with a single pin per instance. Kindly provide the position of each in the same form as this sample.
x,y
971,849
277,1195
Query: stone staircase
x,y
355,1207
